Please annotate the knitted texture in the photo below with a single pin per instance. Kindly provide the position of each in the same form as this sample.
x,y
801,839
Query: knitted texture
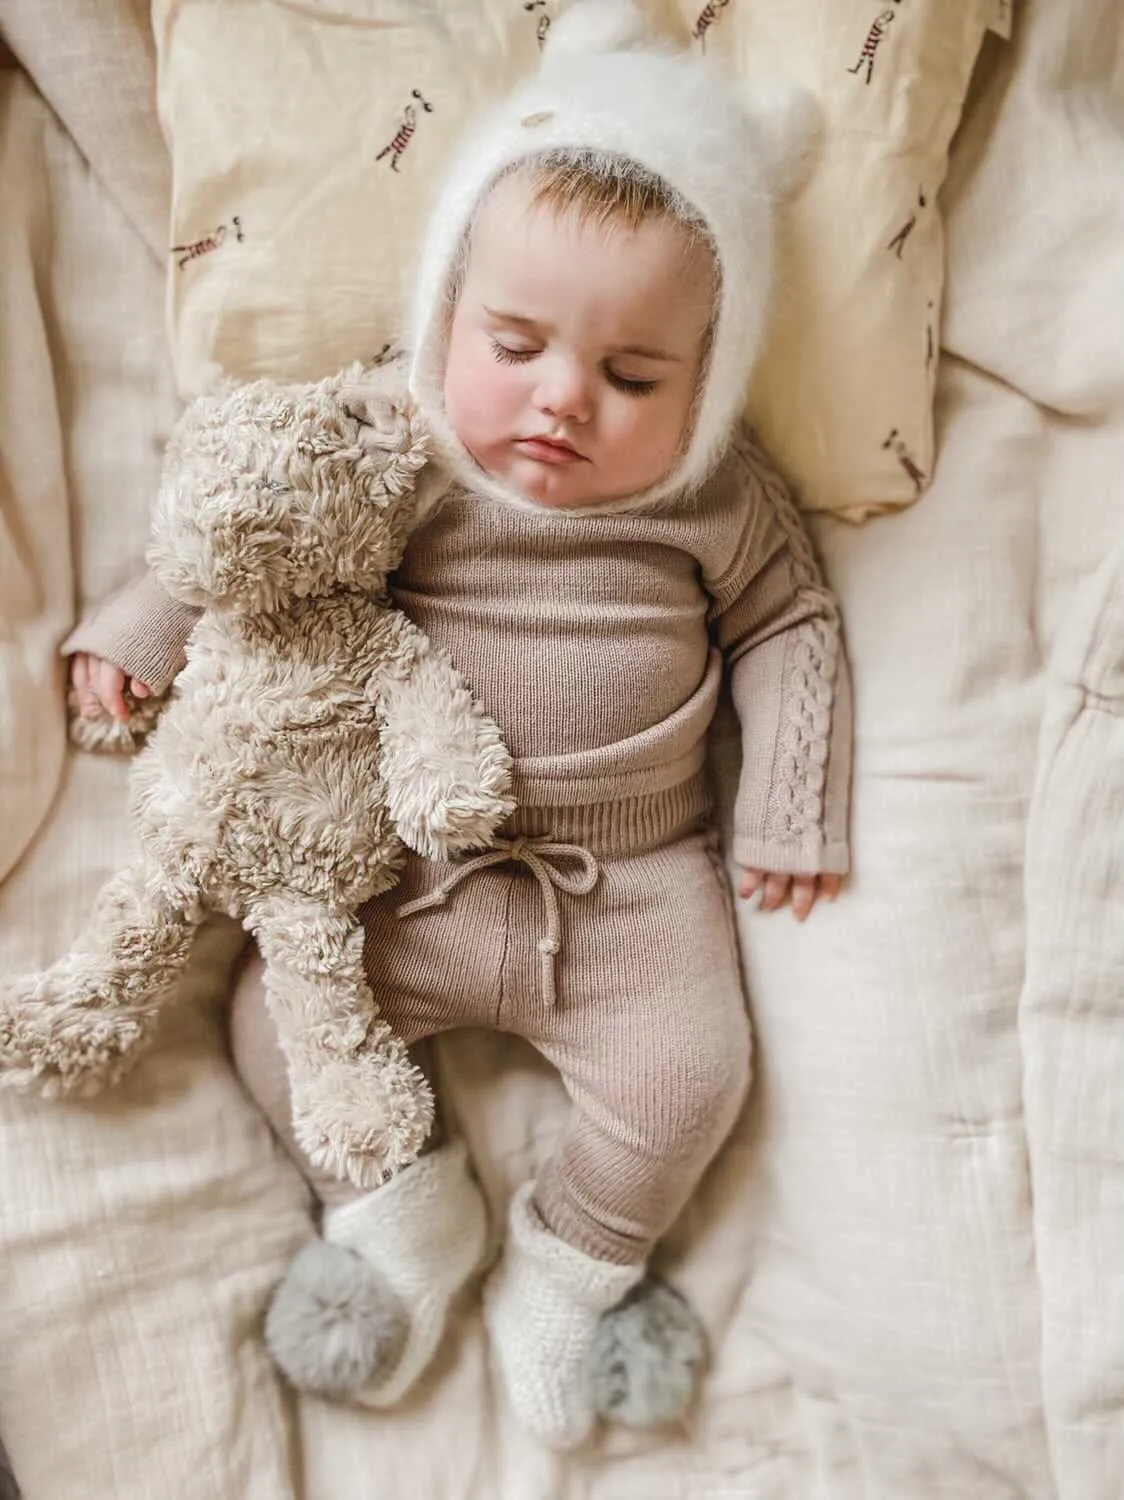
x,y
796,825
589,640
542,1306
424,1233
143,622
649,1031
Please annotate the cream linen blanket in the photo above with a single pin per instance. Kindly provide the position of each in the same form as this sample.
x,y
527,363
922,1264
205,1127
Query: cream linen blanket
x,y
911,1256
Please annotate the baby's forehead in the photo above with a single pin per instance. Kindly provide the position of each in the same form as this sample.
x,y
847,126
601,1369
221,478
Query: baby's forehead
x,y
519,219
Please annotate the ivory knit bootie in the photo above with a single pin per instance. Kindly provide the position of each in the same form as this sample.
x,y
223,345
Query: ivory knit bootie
x,y
361,1312
542,1305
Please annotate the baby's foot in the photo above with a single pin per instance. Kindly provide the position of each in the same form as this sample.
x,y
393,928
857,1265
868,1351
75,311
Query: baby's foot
x,y
359,1316
542,1307
648,1357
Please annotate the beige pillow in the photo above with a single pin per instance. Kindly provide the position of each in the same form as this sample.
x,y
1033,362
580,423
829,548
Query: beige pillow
x,y
306,139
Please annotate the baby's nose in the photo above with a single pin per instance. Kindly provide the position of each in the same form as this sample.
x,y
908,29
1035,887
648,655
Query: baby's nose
x,y
564,392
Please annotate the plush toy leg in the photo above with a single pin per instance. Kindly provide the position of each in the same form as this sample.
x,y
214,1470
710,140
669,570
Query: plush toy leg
x,y
361,1108
78,1026
360,1313
543,1305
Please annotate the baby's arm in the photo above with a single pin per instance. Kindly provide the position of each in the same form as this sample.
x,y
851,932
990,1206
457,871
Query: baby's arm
x,y
138,634
779,625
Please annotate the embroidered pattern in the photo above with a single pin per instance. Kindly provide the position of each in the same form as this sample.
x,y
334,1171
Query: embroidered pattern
x,y
897,244
896,444
542,25
873,41
185,254
706,18
796,808
930,341
389,354
406,131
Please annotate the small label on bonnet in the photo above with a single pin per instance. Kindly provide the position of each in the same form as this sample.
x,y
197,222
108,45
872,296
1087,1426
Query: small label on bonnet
x,y
540,118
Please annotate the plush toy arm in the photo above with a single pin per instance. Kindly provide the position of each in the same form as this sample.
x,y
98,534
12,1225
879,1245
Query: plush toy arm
x,y
446,769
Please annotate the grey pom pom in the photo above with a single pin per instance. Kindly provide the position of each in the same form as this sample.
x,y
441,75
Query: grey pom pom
x,y
648,1357
334,1322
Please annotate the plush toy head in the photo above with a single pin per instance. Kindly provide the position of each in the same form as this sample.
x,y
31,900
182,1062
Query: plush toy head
x,y
273,493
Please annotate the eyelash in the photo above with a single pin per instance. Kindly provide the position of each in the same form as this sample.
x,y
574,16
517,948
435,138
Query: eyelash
x,y
507,356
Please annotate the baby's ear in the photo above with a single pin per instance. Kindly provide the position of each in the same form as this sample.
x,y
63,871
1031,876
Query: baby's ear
x,y
788,123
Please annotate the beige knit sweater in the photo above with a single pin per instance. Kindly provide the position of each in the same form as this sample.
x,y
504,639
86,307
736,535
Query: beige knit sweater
x,y
596,643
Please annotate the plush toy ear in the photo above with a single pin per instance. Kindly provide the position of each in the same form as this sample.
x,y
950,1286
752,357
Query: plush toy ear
x,y
384,425
788,124
594,26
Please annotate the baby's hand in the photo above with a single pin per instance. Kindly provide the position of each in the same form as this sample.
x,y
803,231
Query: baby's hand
x,y
776,889
99,685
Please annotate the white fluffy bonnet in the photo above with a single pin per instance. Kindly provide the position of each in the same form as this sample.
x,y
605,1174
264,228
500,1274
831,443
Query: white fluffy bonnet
x,y
727,152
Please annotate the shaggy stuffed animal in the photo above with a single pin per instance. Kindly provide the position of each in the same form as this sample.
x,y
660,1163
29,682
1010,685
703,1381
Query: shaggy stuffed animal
x,y
312,732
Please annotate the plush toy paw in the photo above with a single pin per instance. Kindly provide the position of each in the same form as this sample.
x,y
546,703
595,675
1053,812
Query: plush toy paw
x,y
648,1358
102,734
59,1038
447,770
363,1117
446,814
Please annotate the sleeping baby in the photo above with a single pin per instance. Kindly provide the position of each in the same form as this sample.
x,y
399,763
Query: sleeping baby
x,y
593,294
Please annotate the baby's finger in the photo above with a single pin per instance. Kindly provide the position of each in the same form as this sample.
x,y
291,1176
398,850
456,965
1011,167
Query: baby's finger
x,y
110,686
750,883
80,680
776,889
139,689
803,896
831,885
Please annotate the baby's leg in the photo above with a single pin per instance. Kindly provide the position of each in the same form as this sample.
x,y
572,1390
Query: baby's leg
x,y
361,1311
651,1036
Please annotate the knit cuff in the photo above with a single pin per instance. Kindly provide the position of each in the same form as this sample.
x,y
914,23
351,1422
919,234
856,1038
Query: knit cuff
x,y
142,630
810,857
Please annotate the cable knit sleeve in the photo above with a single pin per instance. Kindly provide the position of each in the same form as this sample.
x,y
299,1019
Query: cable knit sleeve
x,y
140,629
779,625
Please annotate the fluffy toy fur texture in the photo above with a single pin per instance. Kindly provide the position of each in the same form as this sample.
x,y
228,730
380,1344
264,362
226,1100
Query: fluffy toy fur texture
x,y
312,733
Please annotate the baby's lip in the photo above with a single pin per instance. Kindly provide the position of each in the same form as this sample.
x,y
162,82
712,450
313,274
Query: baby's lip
x,y
558,444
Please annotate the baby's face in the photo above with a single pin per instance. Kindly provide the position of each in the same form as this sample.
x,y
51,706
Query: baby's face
x,y
575,350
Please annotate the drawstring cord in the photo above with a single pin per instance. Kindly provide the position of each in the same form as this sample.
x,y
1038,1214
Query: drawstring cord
x,y
543,859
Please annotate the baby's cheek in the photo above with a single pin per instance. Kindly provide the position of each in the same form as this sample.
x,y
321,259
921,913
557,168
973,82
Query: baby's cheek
x,y
473,398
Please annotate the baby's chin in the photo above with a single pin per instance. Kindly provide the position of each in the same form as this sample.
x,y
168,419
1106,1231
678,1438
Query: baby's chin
x,y
571,488
546,486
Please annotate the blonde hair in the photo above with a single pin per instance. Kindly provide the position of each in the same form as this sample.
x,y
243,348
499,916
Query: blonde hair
x,y
599,187
596,187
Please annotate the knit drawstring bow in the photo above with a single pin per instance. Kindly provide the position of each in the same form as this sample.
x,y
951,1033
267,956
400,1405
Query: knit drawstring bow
x,y
545,860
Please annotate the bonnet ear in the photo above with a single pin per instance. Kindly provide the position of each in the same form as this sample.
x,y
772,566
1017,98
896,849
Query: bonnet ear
x,y
788,124
594,26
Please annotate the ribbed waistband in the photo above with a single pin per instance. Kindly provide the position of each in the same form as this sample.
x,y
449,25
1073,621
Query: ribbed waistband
x,y
628,825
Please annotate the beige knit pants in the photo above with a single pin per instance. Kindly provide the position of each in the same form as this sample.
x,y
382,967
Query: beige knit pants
x,y
641,1011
